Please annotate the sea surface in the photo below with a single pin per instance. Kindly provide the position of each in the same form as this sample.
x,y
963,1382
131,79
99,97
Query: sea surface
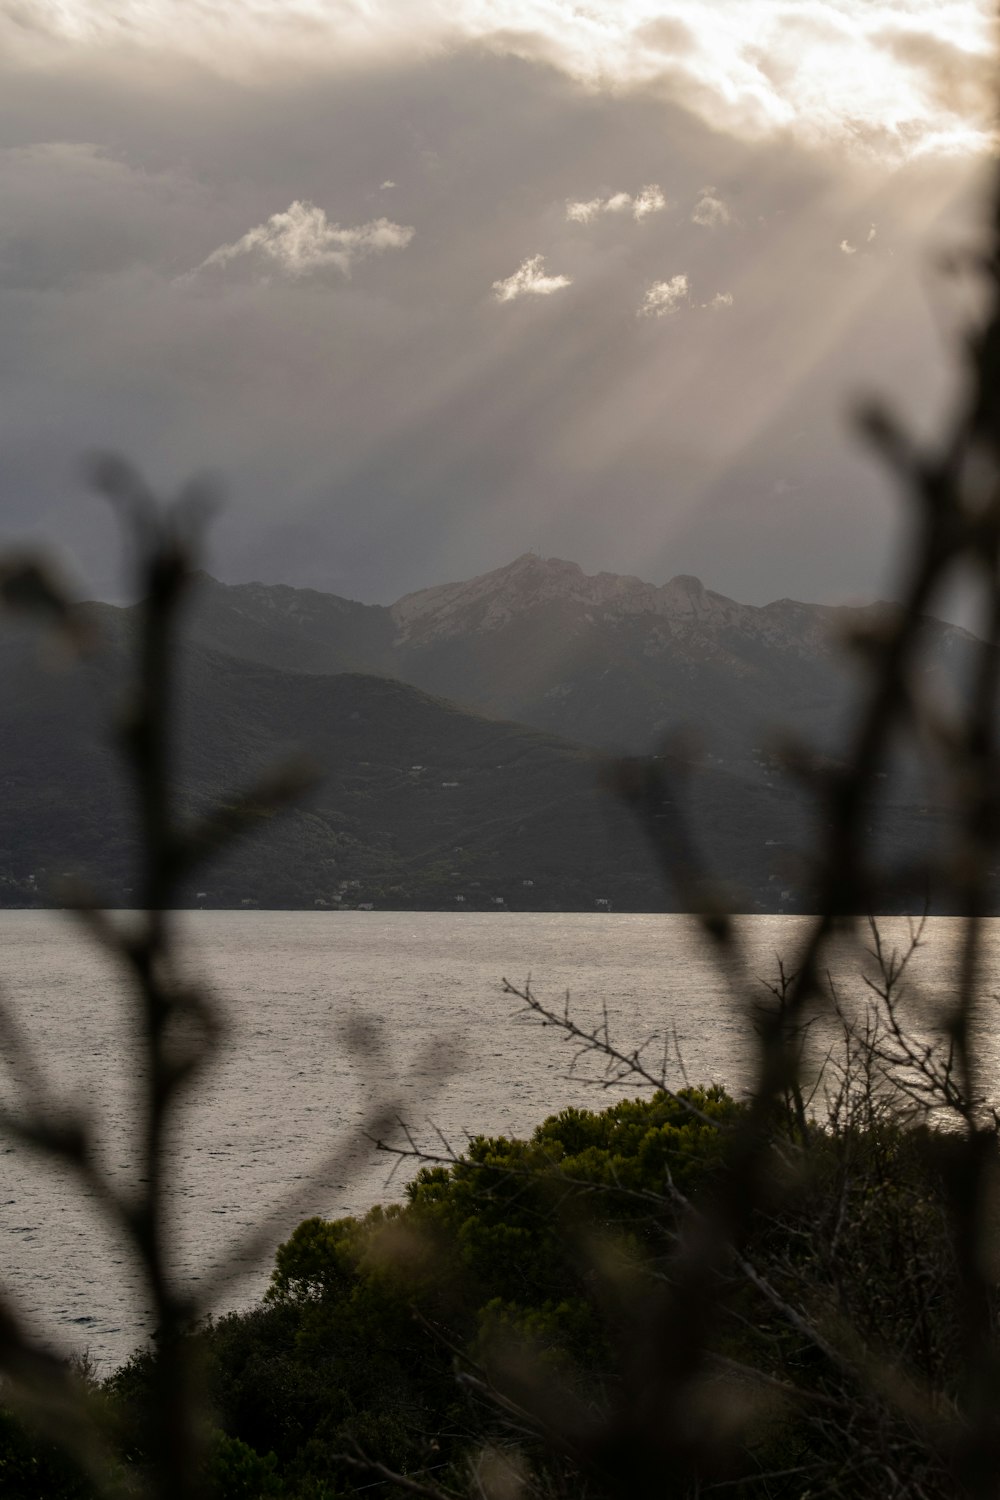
x,y
338,1026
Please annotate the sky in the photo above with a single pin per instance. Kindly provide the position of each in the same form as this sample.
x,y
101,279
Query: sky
x,y
425,284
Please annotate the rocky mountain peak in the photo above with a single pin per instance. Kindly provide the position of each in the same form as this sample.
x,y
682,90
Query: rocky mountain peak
x,y
488,601
529,582
687,586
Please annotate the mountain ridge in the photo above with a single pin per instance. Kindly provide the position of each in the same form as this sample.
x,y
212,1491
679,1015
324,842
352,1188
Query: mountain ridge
x,y
607,660
682,596
472,778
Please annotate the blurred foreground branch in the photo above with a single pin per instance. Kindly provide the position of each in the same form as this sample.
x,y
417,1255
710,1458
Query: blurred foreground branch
x,y
903,1423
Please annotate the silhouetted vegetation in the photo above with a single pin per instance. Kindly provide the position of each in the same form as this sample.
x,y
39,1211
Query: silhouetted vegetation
x,y
501,1321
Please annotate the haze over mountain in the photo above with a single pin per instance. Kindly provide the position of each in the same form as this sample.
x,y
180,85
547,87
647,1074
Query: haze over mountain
x,y
607,660
429,802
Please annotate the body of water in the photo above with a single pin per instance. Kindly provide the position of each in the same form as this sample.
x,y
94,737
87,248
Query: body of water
x,y
329,1018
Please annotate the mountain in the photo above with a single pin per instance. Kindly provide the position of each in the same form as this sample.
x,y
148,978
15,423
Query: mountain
x,y
620,663
606,660
435,803
296,630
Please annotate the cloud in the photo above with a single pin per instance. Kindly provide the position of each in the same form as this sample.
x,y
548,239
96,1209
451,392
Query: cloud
x,y
529,280
74,211
302,240
388,183
891,78
863,244
961,79
649,200
710,211
668,35
582,213
719,301
376,444
665,297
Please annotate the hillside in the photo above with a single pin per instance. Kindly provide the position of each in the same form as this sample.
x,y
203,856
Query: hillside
x,y
420,803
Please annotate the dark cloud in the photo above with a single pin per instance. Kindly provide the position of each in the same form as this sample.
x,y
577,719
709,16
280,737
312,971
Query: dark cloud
x,y
386,430
73,211
667,34
961,82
